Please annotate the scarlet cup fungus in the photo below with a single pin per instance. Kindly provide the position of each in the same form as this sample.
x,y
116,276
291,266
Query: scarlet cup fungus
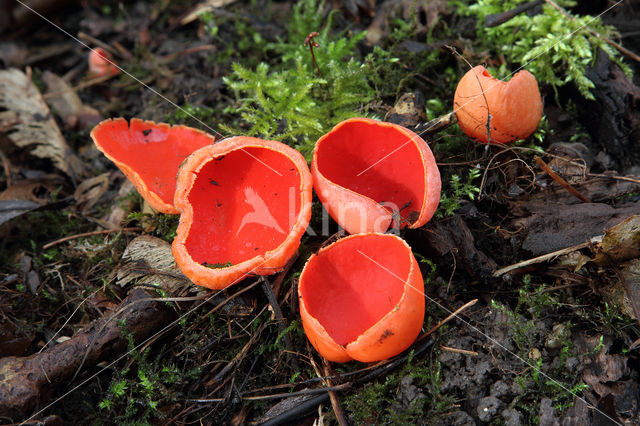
x,y
101,63
362,298
149,154
495,111
369,173
244,204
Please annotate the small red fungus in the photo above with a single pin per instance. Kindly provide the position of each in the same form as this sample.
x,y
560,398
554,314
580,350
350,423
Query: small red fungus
x,y
362,298
496,111
244,204
101,63
369,173
149,154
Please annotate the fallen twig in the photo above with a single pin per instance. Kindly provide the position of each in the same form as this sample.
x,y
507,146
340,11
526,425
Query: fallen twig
x,y
27,379
449,318
566,185
437,124
496,19
88,234
333,396
282,322
542,258
459,351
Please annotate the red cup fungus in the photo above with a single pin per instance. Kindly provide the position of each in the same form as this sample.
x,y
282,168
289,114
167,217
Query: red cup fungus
x,y
244,204
149,154
370,174
101,63
514,106
362,298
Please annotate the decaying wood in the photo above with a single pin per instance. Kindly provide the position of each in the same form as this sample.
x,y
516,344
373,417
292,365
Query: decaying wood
x,y
28,123
27,382
613,119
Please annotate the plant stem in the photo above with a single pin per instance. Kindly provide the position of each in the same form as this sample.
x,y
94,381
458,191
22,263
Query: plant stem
x,y
312,44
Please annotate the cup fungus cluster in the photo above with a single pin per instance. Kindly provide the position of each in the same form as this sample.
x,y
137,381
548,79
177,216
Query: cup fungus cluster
x,y
495,111
244,204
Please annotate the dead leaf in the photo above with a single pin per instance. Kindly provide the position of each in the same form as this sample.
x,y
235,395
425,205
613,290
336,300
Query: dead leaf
x,y
90,190
36,190
28,123
14,208
620,243
67,104
206,6
554,226
625,294
121,207
149,260
408,110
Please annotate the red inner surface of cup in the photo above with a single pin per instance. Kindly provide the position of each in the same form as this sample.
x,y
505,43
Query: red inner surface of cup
x,y
351,286
245,203
154,152
379,162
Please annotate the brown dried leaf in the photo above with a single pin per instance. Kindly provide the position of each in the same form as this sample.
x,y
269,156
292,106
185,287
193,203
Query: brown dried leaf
x,y
625,296
620,243
13,208
67,104
149,260
90,190
28,123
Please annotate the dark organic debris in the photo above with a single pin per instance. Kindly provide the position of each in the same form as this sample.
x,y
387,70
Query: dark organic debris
x,y
24,381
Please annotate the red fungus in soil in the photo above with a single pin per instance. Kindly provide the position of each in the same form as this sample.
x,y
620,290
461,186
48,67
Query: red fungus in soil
x,y
101,63
244,204
515,106
362,298
149,154
369,173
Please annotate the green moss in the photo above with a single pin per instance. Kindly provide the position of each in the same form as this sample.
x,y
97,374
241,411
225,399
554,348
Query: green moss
x,y
554,48
289,100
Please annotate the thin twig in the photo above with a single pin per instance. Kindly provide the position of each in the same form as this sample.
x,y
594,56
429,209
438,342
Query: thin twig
x,y
97,42
88,234
542,258
566,185
459,351
449,318
333,396
282,322
277,282
625,178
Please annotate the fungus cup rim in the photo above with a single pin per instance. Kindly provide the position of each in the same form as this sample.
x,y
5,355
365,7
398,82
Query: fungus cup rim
x,y
363,347
266,263
429,204
497,96
145,191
